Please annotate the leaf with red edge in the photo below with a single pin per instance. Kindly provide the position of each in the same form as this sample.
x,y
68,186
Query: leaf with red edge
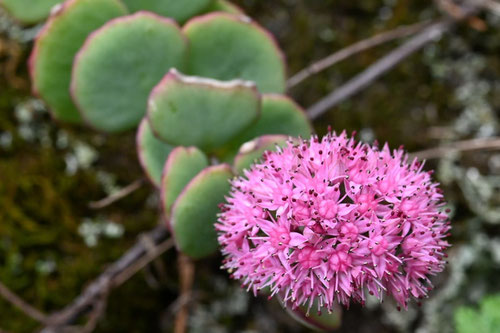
x,y
56,46
181,166
152,152
193,111
118,66
194,213
179,10
252,151
227,47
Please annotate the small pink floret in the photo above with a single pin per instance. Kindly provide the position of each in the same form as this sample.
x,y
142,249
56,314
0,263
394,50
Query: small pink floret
x,y
333,220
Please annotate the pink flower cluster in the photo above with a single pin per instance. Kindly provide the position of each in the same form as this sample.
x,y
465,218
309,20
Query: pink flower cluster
x,y
329,221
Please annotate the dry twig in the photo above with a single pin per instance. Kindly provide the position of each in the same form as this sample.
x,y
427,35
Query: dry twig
x,y
15,300
459,146
118,195
460,13
153,253
96,314
186,274
380,67
132,261
381,38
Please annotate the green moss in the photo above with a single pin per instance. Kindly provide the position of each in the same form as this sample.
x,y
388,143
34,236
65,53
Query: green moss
x,y
41,208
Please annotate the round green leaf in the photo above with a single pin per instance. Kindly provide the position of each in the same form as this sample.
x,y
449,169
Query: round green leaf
x,y
192,111
226,47
225,6
179,10
279,115
56,46
118,66
195,211
29,11
152,152
252,151
181,166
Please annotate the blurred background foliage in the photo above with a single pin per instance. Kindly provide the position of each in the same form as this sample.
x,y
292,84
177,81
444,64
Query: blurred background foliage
x,y
485,319
52,243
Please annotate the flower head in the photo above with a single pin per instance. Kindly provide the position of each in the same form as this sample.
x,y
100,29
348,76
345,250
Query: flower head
x,y
329,221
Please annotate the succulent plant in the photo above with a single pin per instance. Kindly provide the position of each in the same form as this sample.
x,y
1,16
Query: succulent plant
x,y
253,150
216,109
178,10
207,113
29,11
87,44
249,51
152,152
225,6
194,211
183,164
211,117
116,64
278,115
138,49
56,46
